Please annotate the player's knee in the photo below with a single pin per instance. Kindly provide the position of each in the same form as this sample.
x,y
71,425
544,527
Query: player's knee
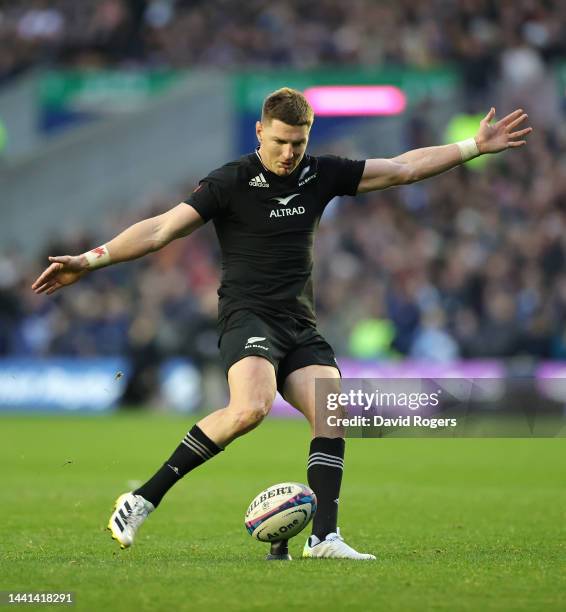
x,y
246,419
251,415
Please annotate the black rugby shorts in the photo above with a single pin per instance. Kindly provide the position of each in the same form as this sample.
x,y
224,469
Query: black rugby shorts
x,y
285,342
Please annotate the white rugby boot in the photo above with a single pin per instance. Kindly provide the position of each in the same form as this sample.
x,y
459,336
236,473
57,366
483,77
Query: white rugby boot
x,y
130,511
332,547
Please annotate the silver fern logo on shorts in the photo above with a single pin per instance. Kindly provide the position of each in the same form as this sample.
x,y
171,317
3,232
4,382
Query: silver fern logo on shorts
x,y
252,341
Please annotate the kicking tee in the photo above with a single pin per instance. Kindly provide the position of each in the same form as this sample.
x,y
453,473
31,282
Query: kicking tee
x,y
265,225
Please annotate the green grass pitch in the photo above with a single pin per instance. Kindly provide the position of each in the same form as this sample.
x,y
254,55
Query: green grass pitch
x,y
457,524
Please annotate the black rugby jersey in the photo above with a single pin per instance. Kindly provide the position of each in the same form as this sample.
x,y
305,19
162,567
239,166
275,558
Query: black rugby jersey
x,y
265,225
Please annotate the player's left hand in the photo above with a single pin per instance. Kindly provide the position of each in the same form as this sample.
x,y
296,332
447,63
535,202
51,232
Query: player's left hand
x,y
503,134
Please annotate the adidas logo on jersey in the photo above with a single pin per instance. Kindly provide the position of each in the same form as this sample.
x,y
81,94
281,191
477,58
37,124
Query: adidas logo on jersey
x,y
259,181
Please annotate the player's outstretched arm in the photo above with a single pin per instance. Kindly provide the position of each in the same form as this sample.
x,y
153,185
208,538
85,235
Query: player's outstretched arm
x,y
137,240
423,163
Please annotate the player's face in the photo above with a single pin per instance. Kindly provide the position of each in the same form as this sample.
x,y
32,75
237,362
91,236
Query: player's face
x,y
282,146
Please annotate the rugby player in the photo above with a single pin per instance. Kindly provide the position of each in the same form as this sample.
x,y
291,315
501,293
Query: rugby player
x,y
266,207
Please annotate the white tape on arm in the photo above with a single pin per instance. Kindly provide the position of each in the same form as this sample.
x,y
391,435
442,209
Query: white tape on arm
x,y
98,258
468,149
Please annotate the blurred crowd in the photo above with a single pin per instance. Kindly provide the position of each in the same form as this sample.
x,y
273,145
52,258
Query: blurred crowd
x,y
479,34
470,264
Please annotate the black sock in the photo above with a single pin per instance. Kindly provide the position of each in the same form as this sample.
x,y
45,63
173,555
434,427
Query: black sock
x,y
324,471
194,450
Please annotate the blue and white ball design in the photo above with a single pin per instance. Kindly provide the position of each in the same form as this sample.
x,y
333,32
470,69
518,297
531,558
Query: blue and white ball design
x,y
280,512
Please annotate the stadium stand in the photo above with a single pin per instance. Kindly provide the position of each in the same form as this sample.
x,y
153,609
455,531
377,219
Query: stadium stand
x,y
468,265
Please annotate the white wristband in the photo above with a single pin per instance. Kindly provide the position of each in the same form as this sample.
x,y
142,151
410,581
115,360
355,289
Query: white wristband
x,y
97,258
468,149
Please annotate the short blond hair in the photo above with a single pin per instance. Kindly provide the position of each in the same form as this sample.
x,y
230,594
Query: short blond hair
x,y
287,105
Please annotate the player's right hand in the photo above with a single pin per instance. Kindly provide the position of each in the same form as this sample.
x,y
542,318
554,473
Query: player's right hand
x,y
64,270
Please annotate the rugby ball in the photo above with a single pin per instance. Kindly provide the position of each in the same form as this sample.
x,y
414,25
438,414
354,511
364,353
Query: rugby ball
x,y
280,512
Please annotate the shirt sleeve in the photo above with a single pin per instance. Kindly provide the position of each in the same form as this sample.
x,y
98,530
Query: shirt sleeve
x,y
209,198
343,174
